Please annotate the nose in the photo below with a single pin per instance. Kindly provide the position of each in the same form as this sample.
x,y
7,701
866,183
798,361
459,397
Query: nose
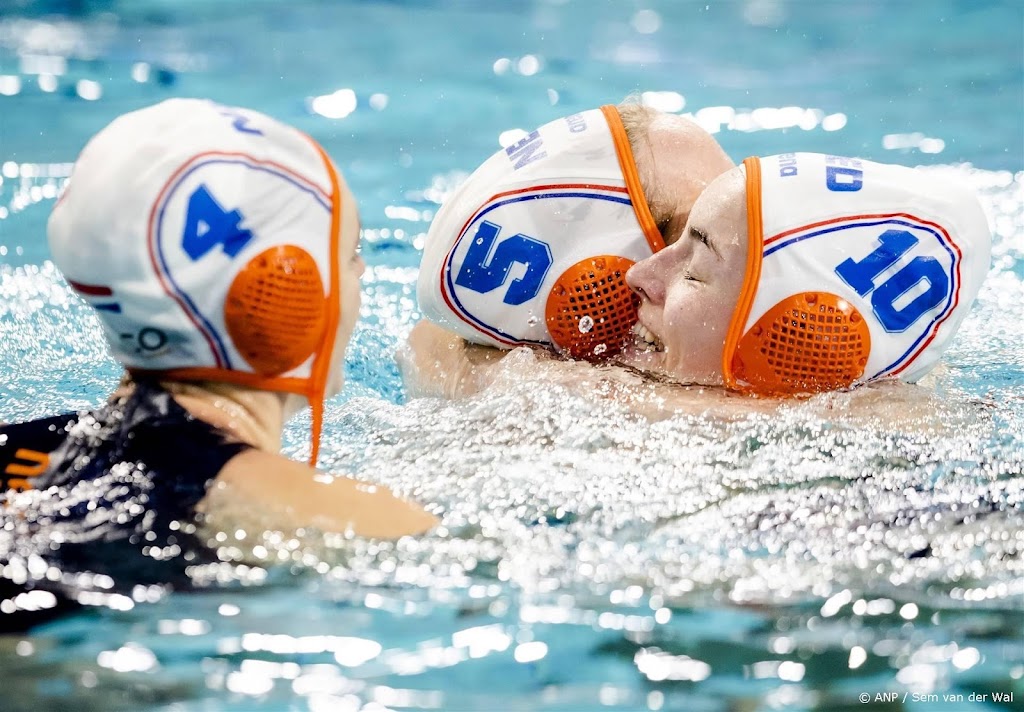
x,y
646,278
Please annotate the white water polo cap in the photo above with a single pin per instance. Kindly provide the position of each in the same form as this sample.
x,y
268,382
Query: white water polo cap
x,y
534,246
856,271
206,238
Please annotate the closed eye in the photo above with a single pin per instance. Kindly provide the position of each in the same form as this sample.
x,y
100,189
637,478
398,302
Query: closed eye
x,y
701,236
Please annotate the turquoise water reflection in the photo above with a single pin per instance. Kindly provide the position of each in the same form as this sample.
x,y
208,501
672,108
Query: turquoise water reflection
x,y
590,559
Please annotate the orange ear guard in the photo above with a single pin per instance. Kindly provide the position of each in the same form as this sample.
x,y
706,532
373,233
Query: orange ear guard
x,y
275,309
806,343
590,309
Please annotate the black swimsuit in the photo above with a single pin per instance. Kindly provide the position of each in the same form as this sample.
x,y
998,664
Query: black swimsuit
x,y
108,491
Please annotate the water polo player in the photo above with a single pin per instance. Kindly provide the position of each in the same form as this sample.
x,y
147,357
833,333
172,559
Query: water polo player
x,y
795,273
533,248
804,272
218,249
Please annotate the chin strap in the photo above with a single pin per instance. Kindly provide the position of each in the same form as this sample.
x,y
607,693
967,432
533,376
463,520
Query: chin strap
x,y
322,360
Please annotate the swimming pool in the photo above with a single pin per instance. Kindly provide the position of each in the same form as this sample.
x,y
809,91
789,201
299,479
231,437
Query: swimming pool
x,y
589,559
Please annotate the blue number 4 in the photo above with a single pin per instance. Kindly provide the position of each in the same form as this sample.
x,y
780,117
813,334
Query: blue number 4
x,y
207,225
479,275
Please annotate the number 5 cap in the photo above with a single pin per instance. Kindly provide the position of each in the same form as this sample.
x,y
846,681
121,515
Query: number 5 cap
x,y
206,239
534,246
855,271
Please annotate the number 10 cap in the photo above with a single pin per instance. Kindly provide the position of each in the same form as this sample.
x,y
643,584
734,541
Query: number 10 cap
x,y
856,271
206,239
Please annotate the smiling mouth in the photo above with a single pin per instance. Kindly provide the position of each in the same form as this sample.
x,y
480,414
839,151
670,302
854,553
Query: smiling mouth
x,y
646,339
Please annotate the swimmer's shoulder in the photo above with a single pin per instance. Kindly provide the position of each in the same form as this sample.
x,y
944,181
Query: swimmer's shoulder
x,y
296,495
438,362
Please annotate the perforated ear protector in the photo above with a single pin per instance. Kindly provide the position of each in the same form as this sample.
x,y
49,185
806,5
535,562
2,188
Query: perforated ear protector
x,y
275,309
590,309
806,343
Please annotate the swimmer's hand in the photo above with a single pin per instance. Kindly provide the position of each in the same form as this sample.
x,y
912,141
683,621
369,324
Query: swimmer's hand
x,y
287,495
435,362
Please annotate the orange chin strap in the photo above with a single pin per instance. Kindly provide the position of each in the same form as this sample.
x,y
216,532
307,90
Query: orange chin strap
x,y
590,309
627,164
322,360
806,343
755,245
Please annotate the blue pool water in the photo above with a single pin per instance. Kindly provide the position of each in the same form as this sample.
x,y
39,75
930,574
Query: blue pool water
x,y
589,559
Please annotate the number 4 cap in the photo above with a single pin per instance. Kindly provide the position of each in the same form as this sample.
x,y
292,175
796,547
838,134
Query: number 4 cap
x,y
207,238
855,271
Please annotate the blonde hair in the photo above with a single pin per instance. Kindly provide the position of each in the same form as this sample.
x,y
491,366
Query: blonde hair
x,y
636,120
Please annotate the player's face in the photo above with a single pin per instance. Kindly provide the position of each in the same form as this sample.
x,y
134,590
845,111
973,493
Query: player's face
x,y
689,290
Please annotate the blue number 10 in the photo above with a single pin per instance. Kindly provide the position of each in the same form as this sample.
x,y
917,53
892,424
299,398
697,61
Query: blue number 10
x,y
479,275
861,276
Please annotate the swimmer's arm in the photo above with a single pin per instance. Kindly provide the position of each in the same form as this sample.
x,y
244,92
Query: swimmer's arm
x,y
437,362
284,494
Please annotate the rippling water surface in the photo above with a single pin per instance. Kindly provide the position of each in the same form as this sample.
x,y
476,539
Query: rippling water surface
x,y
795,557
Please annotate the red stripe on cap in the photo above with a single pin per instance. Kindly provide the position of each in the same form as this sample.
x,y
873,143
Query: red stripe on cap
x,y
92,290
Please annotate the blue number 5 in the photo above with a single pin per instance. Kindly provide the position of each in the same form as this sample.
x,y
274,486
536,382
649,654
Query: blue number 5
x,y
481,276
207,225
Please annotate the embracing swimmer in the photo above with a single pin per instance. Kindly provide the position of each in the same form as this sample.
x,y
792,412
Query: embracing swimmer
x,y
541,236
605,188
217,247
797,273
